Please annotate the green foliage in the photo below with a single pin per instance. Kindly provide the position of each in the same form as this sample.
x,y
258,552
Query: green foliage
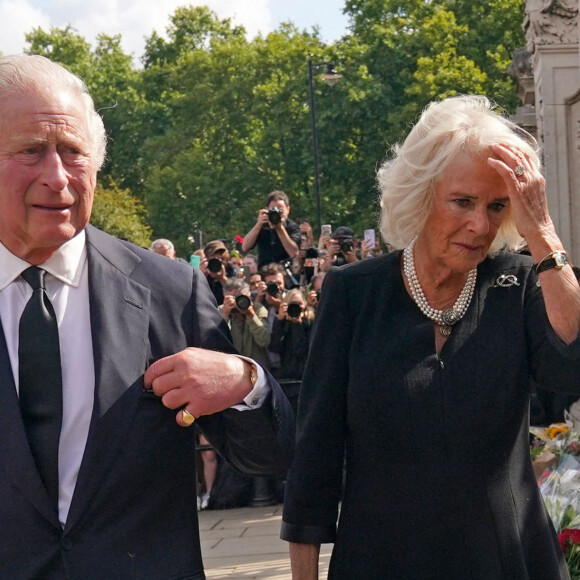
x,y
214,121
116,212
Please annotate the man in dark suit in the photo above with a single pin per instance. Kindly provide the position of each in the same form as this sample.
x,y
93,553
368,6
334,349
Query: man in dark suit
x,y
144,353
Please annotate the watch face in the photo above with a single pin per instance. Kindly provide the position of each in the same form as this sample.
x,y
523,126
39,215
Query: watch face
x,y
560,259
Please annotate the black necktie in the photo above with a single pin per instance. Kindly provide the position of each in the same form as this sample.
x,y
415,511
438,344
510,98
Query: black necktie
x,y
40,381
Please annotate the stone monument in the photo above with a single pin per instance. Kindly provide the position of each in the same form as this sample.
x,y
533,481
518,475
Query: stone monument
x,y
551,28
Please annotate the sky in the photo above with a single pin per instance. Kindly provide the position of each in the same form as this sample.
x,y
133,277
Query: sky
x,y
135,19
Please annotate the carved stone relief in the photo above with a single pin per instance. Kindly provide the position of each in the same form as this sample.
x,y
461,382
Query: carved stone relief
x,y
550,22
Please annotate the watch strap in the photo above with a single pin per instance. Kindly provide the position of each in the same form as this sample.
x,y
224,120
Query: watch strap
x,y
556,259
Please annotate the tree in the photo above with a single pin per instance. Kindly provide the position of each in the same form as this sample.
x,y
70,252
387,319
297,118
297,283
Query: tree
x,y
214,121
118,213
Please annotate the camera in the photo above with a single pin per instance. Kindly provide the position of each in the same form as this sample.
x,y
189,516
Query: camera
x,y
214,265
294,309
346,245
243,302
272,289
274,215
311,253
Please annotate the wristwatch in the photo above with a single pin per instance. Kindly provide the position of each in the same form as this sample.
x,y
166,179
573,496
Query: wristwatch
x,y
556,259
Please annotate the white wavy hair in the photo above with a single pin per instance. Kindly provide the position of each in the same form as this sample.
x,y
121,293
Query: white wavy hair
x,y
445,129
24,72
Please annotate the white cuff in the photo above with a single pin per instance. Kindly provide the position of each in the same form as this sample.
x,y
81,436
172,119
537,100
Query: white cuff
x,y
255,398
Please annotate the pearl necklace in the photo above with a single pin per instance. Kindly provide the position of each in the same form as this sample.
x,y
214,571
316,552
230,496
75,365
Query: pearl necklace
x,y
445,319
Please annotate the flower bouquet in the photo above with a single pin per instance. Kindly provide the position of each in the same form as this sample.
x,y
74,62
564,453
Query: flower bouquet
x,y
544,446
560,488
570,543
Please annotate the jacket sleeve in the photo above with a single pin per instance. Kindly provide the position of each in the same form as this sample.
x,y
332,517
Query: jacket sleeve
x,y
259,327
256,442
555,366
314,483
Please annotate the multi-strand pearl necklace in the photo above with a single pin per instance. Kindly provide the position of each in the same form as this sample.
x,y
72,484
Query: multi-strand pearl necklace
x,y
445,319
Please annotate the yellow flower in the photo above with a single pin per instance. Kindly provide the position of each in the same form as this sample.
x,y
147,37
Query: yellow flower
x,y
556,429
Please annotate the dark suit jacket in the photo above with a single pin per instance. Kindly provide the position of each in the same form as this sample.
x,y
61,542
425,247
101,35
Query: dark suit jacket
x,y
439,483
134,512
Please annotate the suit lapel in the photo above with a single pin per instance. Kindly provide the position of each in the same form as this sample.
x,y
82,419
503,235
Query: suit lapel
x,y
119,309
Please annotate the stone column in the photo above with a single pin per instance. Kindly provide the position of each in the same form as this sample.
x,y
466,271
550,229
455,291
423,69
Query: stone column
x,y
551,28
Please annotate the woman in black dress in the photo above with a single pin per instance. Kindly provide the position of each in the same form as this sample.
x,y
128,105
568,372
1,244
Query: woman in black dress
x,y
420,368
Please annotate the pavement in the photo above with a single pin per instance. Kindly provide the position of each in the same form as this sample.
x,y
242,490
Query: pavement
x,y
245,543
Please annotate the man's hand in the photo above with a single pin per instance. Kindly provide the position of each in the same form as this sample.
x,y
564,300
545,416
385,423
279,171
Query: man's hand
x,y
333,247
312,298
219,276
228,305
249,313
274,300
283,312
306,228
202,381
261,291
262,219
350,256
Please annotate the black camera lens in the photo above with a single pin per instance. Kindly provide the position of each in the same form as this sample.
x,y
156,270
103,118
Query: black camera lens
x,y
214,265
243,302
274,215
294,309
311,252
346,246
272,289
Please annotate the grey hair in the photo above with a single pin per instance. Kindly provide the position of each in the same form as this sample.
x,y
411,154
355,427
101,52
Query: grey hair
x,y
162,243
23,72
445,129
233,284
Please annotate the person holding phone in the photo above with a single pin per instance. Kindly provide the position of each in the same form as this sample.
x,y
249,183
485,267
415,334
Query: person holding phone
x,y
370,247
417,386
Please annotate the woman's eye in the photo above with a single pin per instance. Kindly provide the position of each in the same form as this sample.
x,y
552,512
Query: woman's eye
x,y
463,202
497,207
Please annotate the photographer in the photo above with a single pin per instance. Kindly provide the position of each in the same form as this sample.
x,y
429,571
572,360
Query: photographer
x,y
270,293
313,296
291,339
217,268
277,237
340,247
247,319
306,262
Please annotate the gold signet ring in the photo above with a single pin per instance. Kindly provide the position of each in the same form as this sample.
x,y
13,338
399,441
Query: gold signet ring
x,y
187,417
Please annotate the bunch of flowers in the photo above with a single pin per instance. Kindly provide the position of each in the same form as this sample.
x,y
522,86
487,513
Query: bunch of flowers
x,y
560,487
570,543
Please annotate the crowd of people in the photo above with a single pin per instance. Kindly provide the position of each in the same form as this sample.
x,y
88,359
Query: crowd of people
x,y
413,407
268,289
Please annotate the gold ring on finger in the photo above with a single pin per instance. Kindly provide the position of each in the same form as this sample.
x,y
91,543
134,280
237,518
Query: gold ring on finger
x,y
187,417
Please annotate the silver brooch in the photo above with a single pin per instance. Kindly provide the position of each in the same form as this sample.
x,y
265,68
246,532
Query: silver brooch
x,y
505,281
